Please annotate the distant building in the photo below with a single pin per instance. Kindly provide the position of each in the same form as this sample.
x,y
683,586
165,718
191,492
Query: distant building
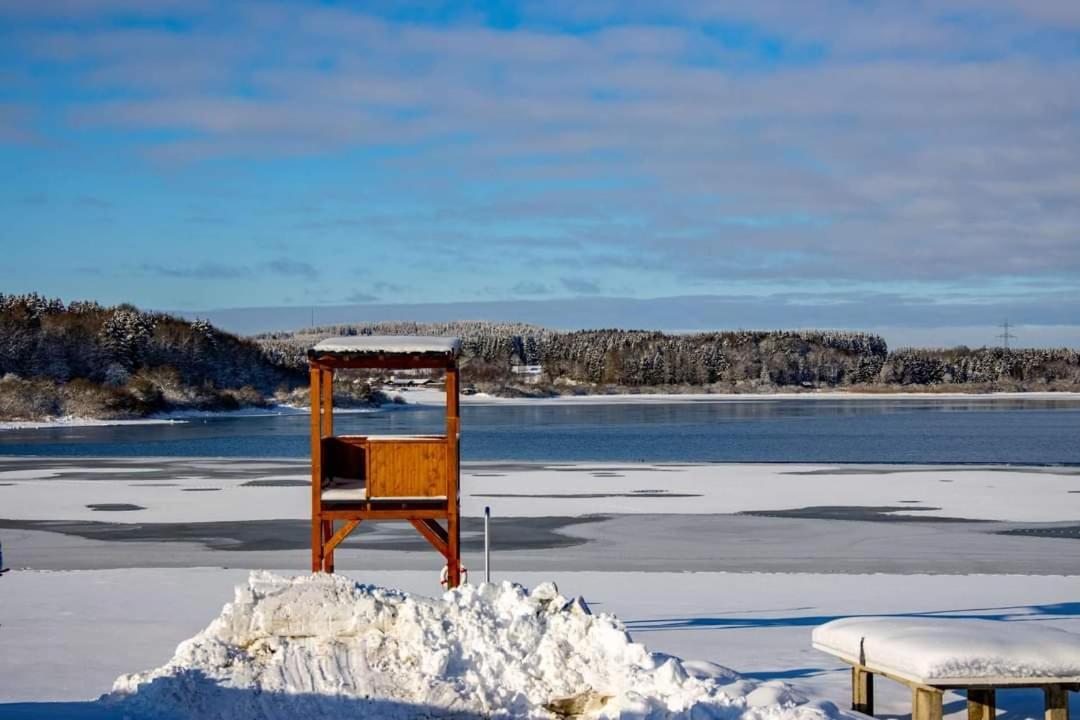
x,y
528,373
398,381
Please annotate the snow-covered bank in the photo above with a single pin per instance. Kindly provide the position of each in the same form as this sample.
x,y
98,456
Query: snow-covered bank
x,y
304,645
75,421
406,398
176,416
432,396
166,418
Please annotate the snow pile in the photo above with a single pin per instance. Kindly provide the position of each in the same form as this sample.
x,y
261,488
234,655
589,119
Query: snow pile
x,y
323,646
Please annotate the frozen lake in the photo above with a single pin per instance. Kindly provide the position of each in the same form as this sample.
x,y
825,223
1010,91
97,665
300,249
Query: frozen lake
x,y
1035,431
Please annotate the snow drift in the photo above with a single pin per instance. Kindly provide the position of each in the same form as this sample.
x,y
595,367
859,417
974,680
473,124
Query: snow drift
x,y
323,646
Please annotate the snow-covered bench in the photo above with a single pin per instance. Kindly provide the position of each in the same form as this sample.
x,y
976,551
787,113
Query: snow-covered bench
x,y
931,655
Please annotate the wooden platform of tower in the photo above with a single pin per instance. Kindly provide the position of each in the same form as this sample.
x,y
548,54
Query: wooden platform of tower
x,y
359,478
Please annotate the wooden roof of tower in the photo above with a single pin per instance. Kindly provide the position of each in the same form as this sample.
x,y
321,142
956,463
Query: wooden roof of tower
x,y
387,351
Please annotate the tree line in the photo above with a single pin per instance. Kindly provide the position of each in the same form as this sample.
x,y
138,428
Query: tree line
x,y
86,359
83,358
732,361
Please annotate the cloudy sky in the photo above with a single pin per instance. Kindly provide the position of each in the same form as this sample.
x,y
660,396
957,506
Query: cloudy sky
x,y
905,165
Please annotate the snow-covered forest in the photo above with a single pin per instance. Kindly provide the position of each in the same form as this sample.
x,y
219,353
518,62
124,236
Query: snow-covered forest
x,y
85,359
734,361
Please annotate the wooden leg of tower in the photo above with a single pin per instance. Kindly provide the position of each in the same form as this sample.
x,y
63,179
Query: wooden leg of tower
x,y
316,544
328,550
453,532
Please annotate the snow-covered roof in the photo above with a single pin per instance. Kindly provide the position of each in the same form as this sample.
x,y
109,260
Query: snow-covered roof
x,y
389,345
946,651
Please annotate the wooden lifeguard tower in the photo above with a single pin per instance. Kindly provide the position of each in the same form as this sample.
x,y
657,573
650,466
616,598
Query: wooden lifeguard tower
x,y
378,477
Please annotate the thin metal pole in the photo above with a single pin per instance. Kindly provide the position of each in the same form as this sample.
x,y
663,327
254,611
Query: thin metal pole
x,y
487,543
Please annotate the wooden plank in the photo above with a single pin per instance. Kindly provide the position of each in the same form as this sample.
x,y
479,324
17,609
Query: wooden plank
x,y
862,690
328,401
452,398
453,556
981,703
406,513
433,533
453,475
316,471
406,469
1057,702
926,703
328,552
387,362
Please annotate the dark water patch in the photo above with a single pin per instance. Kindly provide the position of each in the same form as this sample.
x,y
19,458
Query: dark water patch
x,y
200,490
607,475
509,467
588,496
632,468
114,507
276,483
153,484
865,513
864,470
1070,532
476,474
912,502
6,484
259,535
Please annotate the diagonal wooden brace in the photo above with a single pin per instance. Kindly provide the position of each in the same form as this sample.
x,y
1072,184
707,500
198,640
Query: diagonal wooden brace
x,y
434,533
340,535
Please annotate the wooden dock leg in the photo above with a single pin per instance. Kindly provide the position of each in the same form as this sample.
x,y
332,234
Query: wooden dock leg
x,y
453,562
316,544
925,703
862,690
981,703
1057,702
328,555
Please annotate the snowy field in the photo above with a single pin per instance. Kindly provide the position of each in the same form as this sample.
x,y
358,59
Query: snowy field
x,y
115,561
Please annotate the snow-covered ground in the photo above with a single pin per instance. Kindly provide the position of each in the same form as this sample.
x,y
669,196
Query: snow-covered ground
x,y
164,541
68,635
75,490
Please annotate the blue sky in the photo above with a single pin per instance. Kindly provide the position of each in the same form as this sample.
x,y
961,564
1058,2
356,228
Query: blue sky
x,y
872,164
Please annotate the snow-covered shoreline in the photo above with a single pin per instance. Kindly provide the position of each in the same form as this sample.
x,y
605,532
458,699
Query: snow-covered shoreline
x,y
431,396
424,397
167,418
76,421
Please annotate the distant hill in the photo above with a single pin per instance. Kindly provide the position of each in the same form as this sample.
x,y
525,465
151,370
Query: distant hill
x,y
88,360
736,361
